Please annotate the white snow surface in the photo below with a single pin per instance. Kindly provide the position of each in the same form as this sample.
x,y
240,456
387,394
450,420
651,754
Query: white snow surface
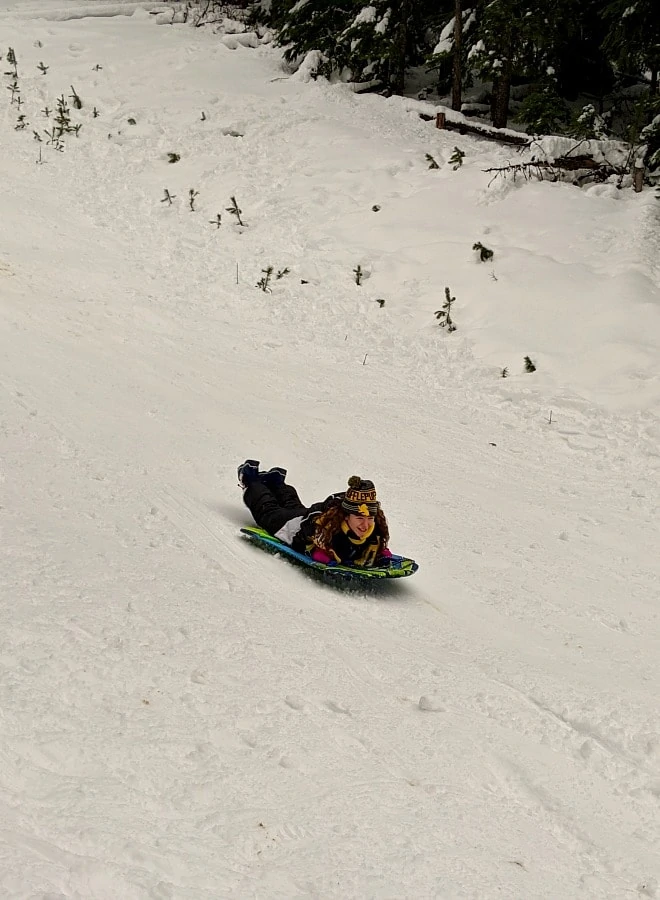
x,y
184,717
61,11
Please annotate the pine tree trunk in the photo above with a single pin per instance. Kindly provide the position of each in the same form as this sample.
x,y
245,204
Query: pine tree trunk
x,y
400,44
457,73
499,104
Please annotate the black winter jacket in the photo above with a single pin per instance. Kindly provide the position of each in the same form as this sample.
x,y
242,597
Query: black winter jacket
x,y
347,546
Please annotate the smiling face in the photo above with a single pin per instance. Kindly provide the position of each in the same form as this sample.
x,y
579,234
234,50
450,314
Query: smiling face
x,y
360,525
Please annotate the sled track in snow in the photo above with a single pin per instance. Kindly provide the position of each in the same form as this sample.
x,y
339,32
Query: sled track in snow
x,y
191,520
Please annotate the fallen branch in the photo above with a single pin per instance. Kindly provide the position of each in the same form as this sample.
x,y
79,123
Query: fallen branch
x,y
590,165
491,134
542,168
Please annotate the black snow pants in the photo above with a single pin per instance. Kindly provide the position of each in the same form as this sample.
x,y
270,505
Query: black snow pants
x,y
272,508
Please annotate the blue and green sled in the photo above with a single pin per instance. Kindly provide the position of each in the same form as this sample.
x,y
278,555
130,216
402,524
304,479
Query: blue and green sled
x,y
398,566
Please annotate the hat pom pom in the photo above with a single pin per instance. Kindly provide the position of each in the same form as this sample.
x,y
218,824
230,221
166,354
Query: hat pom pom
x,y
354,481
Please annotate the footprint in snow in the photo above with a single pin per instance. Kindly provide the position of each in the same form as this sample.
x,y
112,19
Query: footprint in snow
x,y
335,707
295,703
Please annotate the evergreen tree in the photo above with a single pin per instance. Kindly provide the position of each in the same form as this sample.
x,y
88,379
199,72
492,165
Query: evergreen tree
x,y
370,45
316,25
634,37
457,63
522,39
373,42
650,137
543,111
583,64
634,43
559,51
449,56
384,38
269,12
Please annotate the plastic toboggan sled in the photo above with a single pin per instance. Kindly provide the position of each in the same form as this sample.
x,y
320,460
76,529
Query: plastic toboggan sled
x,y
398,566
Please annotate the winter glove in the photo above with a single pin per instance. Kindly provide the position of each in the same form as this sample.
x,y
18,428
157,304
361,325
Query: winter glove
x,y
385,559
321,556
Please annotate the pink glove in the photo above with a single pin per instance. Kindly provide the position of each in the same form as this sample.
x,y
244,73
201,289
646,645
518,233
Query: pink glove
x,y
321,556
386,553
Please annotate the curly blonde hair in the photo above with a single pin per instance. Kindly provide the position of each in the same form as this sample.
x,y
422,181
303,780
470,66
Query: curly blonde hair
x,y
329,523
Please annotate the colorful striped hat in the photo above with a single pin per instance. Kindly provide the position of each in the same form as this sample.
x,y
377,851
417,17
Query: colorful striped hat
x,y
360,498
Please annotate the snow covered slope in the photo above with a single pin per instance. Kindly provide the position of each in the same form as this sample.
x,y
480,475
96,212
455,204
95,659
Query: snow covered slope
x,y
61,11
186,718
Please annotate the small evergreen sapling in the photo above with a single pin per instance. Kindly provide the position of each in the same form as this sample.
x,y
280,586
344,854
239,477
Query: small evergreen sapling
x,y
264,281
217,221
62,117
359,274
432,163
588,125
529,365
54,139
444,315
168,198
42,68
192,194
283,272
75,99
456,159
11,59
505,372
484,253
173,157
235,211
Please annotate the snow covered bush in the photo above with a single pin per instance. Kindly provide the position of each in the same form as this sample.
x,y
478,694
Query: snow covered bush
x,y
313,65
650,136
212,12
316,26
366,43
588,124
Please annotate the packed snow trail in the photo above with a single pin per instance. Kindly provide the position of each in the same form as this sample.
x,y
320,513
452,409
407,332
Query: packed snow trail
x,y
185,717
